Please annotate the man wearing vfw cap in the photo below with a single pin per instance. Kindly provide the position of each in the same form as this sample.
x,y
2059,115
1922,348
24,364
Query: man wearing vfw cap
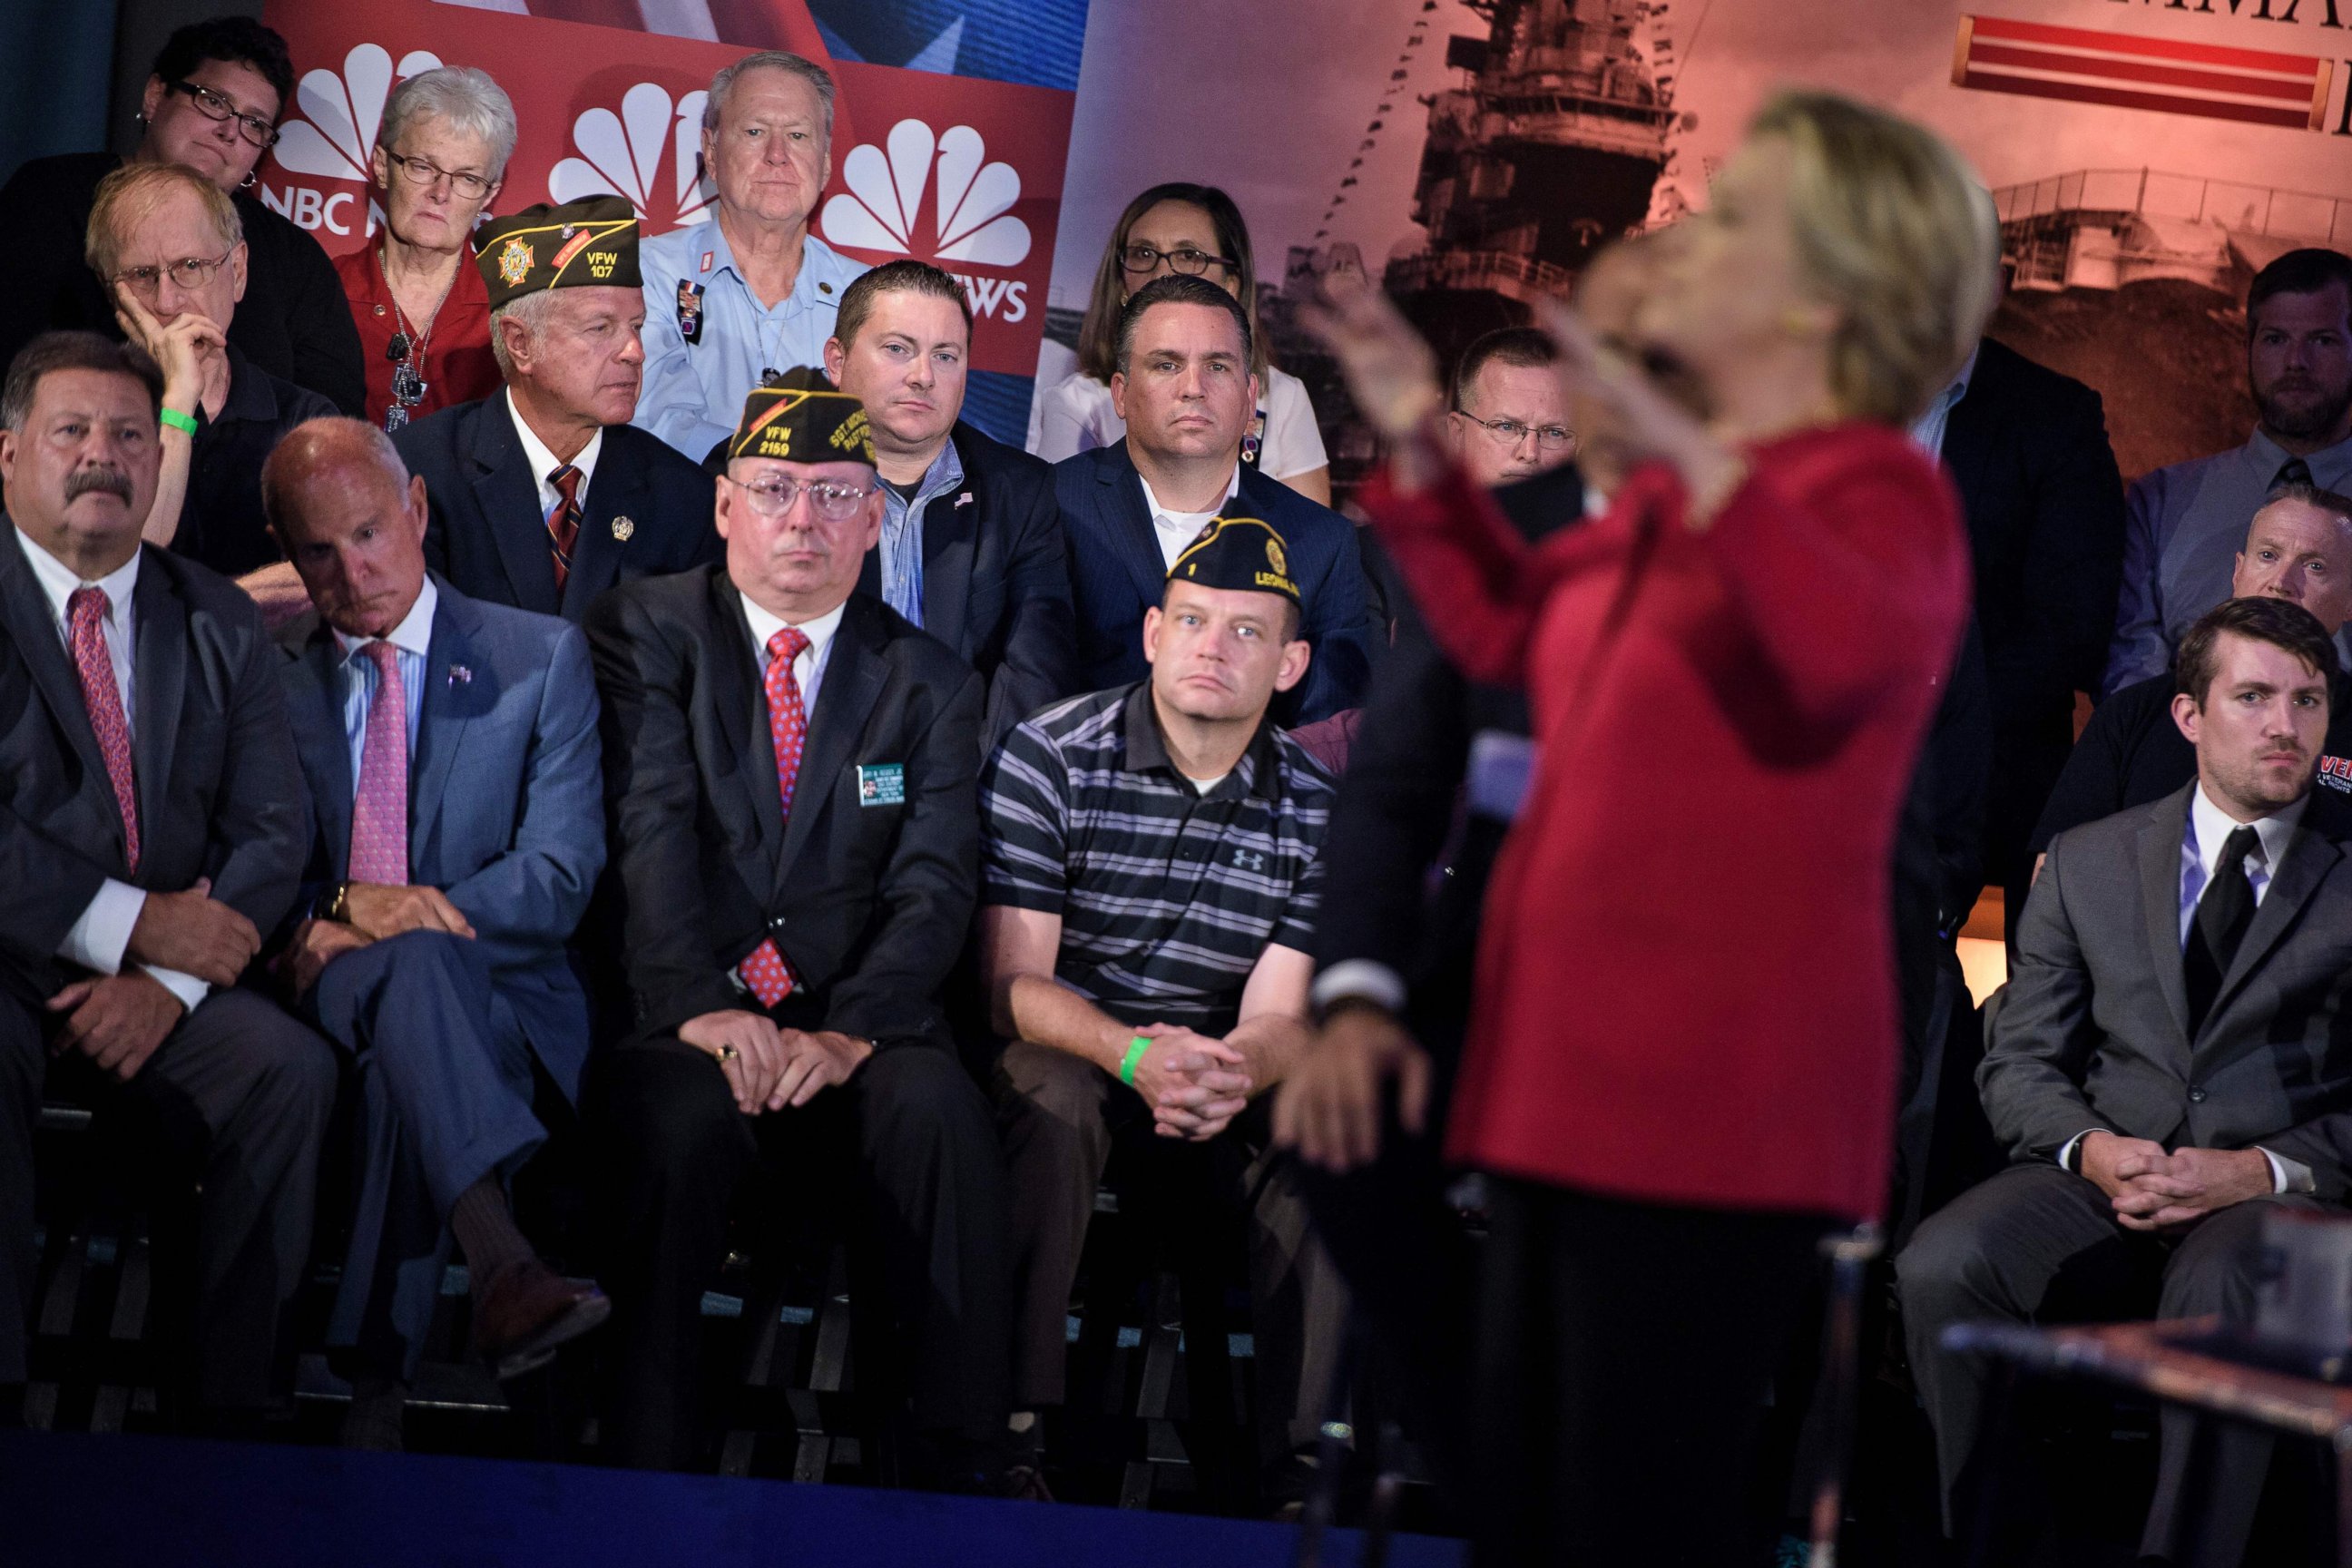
x,y
790,768
1150,878
544,496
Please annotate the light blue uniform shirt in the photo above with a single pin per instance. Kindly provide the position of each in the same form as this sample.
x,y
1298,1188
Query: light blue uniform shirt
x,y
902,533
694,391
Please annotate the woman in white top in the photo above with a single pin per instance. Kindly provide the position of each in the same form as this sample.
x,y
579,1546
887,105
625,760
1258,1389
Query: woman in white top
x,y
1196,230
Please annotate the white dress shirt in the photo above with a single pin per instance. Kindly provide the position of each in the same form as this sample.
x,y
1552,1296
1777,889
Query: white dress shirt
x,y
1177,529
411,640
544,462
808,667
102,933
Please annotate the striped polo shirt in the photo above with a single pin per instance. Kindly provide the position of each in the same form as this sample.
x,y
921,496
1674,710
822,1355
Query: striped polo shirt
x,y
1167,896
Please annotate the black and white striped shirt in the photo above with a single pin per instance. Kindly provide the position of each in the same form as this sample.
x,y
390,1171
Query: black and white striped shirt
x,y
1168,896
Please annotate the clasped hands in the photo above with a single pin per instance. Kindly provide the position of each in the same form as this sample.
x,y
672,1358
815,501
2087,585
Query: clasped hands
x,y
770,1068
1194,1084
373,911
2155,1191
118,1020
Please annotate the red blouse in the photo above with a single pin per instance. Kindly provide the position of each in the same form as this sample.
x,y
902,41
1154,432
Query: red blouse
x,y
458,365
1686,982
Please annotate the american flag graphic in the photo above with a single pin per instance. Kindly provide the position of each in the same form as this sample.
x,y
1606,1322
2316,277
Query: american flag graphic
x,y
1999,55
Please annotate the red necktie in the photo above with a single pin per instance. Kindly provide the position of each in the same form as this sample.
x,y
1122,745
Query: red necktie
x,y
765,971
85,613
563,522
380,808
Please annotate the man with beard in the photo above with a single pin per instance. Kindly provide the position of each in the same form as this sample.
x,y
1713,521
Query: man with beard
x,y
2186,520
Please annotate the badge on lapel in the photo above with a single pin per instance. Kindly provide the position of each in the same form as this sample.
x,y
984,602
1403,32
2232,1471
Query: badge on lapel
x,y
882,783
624,530
460,676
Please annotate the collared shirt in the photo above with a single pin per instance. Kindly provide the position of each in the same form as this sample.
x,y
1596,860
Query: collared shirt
x,y
808,667
694,391
1178,529
2184,528
1169,896
1927,431
411,641
221,522
544,462
902,532
102,934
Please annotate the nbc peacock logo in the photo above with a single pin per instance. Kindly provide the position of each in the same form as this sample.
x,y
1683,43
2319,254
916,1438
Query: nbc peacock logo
x,y
333,136
650,153
970,207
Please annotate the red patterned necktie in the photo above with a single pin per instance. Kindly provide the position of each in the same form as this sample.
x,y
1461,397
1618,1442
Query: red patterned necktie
x,y
379,809
563,522
765,971
85,613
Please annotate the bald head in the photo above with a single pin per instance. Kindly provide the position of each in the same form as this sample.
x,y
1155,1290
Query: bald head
x,y
2299,548
350,518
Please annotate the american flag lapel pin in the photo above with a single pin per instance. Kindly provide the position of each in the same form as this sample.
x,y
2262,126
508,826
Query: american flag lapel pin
x,y
460,676
964,499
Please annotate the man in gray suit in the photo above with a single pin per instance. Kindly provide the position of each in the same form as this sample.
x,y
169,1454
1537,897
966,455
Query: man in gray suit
x,y
450,749
2161,1065
151,827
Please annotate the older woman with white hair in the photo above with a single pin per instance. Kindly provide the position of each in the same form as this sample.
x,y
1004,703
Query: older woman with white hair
x,y
423,313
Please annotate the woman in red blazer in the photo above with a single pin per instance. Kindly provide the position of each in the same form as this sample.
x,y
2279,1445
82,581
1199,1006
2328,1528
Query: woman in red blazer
x,y
1682,1060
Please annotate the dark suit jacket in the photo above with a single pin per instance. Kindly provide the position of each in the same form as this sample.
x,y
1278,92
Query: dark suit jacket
x,y
869,901
506,797
219,792
2091,1029
488,536
996,580
1116,573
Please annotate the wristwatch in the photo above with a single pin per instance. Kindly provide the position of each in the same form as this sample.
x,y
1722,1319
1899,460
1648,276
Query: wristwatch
x,y
334,903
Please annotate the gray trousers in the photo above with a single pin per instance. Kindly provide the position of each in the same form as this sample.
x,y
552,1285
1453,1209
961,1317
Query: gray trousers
x,y
444,1099
2037,1244
234,1104
1059,1116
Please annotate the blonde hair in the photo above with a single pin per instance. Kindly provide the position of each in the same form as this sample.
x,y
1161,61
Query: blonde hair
x,y
126,197
1894,227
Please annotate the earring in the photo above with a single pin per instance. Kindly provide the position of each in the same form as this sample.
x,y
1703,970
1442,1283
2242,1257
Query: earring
x,y
250,176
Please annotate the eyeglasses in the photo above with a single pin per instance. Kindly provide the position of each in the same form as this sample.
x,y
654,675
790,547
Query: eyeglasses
x,y
425,174
190,272
1510,432
1184,259
775,497
213,106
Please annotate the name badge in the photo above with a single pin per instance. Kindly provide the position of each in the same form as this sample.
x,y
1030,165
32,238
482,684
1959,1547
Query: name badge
x,y
2335,772
882,783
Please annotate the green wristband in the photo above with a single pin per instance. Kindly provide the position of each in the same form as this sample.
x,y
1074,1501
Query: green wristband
x,y
1135,1049
177,420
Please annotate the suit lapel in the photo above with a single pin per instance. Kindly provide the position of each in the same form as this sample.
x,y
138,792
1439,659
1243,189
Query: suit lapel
x,y
951,538
321,689
740,707
507,494
617,490
456,687
2311,853
1124,519
44,651
2159,868
160,655
854,674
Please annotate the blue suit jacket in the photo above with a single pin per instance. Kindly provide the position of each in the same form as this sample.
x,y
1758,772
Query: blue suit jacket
x,y
505,797
488,536
1116,573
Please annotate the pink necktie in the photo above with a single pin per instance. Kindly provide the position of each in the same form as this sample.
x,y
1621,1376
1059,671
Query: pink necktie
x,y
86,612
765,971
380,810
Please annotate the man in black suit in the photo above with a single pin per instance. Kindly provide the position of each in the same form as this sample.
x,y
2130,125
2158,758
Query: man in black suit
x,y
971,540
2029,449
1129,509
151,825
545,496
792,771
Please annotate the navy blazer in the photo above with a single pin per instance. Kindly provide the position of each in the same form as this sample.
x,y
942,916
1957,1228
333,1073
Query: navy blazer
x,y
1116,573
218,792
505,795
996,580
488,536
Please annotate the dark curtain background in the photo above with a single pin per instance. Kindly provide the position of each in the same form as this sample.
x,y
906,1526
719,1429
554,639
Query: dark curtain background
x,y
70,70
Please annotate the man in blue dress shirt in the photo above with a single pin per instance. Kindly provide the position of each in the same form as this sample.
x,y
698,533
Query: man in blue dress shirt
x,y
731,303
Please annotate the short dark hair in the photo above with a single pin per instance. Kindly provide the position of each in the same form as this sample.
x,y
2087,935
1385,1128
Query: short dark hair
x,y
2282,623
2306,272
235,40
1524,346
1177,289
52,351
904,276
2329,501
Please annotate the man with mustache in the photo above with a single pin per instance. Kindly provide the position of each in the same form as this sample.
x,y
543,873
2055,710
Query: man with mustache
x,y
2185,520
2161,1066
152,823
544,495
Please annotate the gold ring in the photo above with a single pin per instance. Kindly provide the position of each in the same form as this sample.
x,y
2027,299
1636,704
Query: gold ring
x,y
728,1053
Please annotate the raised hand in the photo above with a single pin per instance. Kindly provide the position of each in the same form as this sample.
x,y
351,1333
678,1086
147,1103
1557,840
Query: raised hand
x,y
1329,1109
